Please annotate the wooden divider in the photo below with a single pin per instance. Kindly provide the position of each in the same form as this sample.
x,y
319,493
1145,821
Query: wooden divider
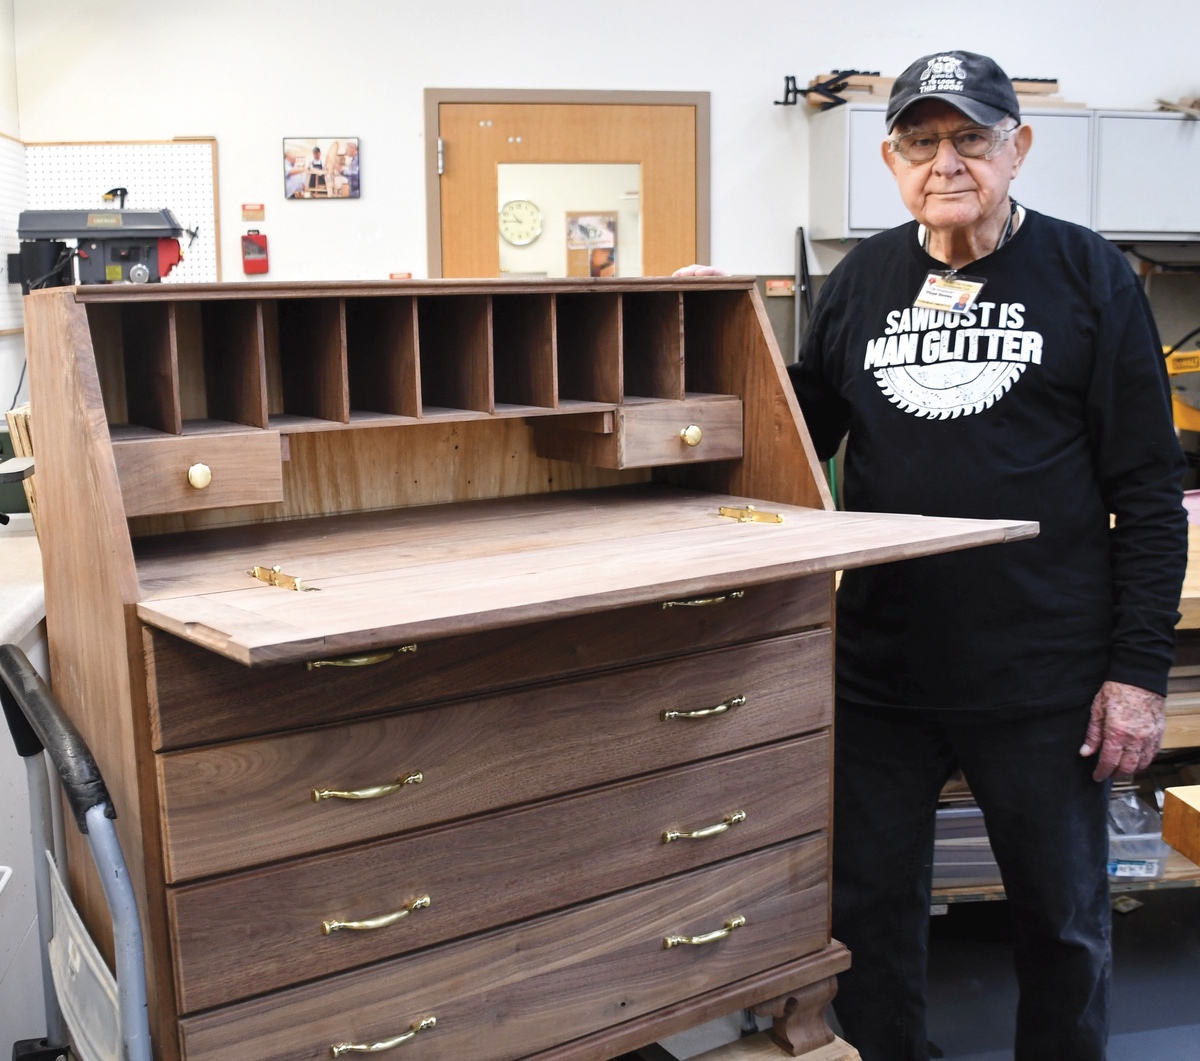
x,y
589,348
151,371
383,355
523,351
456,353
311,359
652,344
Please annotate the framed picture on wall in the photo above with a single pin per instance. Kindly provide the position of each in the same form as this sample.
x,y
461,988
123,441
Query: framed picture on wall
x,y
321,167
591,243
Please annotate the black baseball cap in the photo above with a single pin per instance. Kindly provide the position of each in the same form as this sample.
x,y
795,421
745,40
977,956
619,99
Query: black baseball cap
x,y
974,84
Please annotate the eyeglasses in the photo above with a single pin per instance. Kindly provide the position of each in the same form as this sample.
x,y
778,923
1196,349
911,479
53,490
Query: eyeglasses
x,y
975,142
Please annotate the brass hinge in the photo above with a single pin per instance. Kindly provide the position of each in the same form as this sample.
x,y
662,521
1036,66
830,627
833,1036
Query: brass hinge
x,y
274,576
749,514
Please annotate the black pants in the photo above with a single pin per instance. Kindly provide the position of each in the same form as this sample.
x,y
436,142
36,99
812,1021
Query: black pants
x,y
1046,821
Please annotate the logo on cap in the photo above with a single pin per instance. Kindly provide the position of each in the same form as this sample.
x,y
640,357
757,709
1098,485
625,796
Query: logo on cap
x,y
944,73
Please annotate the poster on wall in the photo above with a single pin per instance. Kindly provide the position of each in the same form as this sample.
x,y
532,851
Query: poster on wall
x,y
320,167
591,243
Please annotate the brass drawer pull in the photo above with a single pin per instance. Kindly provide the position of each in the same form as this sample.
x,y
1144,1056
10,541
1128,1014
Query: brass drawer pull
x,y
705,712
361,661
691,435
199,476
708,937
337,1049
415,778
700,602
382,921
722,826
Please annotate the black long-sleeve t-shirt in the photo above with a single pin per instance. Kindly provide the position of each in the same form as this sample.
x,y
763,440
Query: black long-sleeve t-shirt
x,y
1048,401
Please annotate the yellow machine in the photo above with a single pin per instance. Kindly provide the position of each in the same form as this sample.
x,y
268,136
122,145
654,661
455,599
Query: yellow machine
x,y
1183,367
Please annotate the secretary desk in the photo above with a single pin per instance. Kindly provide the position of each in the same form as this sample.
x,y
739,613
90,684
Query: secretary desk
x,y
458,655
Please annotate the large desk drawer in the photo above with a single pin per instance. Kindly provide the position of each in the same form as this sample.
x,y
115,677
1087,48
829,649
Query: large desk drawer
x,y
197,696
511,992
486,872
230,806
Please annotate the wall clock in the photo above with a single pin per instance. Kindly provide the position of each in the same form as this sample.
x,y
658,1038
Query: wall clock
x,y
520,222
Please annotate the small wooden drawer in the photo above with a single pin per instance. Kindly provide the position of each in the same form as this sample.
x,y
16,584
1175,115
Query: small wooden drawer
x,y
646,434
510,993
487,872
182,473
232,806
197,696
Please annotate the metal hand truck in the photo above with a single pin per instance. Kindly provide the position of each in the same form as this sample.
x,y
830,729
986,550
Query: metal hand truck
x,y
106,1021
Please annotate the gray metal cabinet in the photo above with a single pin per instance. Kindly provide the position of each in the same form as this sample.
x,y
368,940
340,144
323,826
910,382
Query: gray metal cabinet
x,y
852,193
1147,176
1056,176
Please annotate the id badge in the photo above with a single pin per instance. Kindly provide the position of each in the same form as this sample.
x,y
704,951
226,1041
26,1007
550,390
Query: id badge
x,y
949,291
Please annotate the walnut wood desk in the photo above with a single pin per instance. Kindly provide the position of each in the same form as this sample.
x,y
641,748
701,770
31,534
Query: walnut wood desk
x,y
454,699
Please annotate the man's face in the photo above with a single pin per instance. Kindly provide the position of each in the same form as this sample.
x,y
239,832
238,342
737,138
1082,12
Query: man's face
x,y
950,191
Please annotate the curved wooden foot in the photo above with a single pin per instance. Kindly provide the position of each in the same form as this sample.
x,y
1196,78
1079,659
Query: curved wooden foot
x,y
799,1017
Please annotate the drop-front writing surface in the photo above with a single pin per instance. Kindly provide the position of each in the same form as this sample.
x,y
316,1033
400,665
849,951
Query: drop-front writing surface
x,y
454,593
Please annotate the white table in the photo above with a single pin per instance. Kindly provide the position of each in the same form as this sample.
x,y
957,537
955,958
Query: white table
x,y
22,611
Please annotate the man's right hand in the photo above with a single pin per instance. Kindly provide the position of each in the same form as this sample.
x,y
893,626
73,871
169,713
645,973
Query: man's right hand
x,y
699,270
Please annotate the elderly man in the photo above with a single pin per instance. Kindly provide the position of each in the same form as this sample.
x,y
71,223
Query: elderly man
x,y
988,361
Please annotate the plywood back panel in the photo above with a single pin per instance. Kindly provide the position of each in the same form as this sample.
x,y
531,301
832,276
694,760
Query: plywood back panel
x,y
589,347
382,349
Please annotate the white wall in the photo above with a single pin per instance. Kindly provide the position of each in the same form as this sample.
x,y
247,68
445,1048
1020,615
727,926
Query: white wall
x,y
9,123
12,348
253,73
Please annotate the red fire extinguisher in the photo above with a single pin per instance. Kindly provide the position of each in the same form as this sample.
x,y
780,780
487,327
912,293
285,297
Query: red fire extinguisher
x,y
254,252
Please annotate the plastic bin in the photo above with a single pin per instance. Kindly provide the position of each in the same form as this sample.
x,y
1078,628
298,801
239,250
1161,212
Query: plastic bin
x,y
1136,850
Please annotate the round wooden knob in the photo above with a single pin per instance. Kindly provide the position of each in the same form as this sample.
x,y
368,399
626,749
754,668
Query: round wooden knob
x,y
199,475
692,435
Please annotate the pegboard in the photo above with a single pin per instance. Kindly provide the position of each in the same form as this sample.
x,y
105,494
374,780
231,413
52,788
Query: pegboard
x,y
179,175
13,199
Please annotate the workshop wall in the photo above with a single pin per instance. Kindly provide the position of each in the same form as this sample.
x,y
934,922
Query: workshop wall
x,y
251,74
9,122
12,347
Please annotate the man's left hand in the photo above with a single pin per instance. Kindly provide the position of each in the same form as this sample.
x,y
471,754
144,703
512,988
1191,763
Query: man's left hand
x,y
1126,726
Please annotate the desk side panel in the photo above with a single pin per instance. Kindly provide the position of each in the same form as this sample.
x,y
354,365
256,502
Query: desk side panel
x,y
731,349
91,593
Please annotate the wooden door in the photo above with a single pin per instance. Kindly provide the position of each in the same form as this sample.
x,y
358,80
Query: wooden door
x,y
477,137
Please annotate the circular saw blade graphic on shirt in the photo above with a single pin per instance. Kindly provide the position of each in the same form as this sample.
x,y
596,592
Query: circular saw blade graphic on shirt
x,y
943,391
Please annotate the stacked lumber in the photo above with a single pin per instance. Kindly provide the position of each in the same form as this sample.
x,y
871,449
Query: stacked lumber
x,y
1189,105
21,432
1031,91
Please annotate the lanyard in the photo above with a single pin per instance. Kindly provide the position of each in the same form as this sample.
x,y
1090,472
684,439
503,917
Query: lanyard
x,y
1005,235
